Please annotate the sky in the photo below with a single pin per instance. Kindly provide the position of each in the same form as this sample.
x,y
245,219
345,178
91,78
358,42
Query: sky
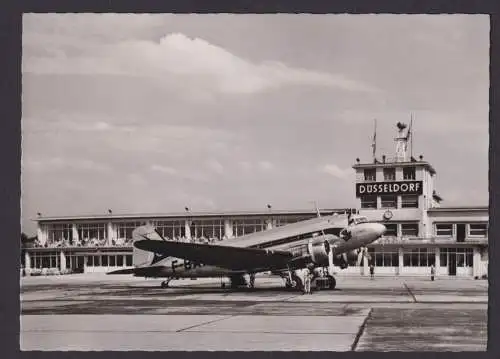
x,y
153,113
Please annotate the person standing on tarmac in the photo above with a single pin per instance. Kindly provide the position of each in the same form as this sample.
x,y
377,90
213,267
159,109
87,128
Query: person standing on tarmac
x,y
433,272
372,271
306,278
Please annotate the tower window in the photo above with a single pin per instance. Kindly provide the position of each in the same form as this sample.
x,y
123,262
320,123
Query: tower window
x,y
369,202
389,174
409,173
389,201
409,229
478,229
392,230
370,174
444,229
409,201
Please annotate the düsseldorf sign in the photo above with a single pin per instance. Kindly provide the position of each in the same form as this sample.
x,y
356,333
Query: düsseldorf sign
x,y
400,187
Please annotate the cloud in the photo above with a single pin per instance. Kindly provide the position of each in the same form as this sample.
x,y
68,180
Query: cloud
x,y
58,163
136,179
189,63
164,169
336,171
265,165
215,166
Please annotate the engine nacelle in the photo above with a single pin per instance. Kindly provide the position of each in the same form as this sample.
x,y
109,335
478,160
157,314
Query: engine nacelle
x,y
318,249
345,260
352,257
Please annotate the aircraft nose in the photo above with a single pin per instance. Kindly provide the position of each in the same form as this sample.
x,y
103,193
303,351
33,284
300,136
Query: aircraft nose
x,y
380,229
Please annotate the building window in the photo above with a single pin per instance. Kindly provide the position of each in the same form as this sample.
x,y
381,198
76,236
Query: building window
x,y
125,229
119,261
129,260
104,260
409,173
112,260
247,226
59,233
370,174
389,174
463,256
210,229
170,229
444,229
409,230
443,257
409,201
392,230
384,258
369,202
478,229
389,201
92,233
419,257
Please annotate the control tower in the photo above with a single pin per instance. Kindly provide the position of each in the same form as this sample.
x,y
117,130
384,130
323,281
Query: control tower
x,y
398,188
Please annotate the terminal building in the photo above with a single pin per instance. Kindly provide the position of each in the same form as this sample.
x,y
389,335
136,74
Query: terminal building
x,y
397,191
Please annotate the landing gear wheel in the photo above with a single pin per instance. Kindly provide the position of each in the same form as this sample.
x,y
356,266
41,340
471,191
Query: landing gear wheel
x,y
164,284
331,282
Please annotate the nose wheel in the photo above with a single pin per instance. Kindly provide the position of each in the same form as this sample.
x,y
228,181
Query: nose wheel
x,y
165,283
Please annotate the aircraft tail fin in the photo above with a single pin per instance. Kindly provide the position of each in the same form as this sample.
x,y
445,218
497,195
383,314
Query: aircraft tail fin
x,y
142,258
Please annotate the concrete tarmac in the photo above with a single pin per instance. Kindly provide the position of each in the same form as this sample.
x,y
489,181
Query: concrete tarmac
x,y
98,312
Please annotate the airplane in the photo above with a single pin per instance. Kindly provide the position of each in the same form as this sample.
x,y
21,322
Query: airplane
x,y
318,244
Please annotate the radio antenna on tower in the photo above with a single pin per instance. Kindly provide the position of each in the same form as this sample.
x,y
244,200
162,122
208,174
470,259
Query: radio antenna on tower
x,y
409,135
374,142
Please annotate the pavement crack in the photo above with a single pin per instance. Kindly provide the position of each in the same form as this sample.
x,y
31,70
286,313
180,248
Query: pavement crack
x,y
204,323
410,293
361,331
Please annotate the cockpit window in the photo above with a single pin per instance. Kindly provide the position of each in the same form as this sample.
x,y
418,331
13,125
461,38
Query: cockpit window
x,y
359,220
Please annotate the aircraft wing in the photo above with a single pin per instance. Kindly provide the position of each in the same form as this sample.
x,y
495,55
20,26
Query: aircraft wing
x,y
234,258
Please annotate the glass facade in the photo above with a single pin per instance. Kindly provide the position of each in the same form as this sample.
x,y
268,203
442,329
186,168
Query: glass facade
x,y
419,257
173,229
210,229
125,229
92,232
461,257
248,225
384,257
58,233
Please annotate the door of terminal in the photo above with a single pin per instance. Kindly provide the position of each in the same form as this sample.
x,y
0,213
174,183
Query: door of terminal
x,y
452,263
460,232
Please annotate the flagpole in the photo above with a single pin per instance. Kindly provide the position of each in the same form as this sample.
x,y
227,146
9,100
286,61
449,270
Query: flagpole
x,y
374,144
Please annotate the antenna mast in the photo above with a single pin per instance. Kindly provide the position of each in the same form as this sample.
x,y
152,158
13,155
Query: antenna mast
x,y
411,134
374,142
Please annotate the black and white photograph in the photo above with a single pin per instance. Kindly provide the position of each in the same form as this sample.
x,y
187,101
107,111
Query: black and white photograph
x,y
254,182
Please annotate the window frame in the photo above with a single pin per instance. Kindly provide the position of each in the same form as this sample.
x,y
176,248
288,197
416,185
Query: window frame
x,y
404,204
436,230
370,174
373,200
